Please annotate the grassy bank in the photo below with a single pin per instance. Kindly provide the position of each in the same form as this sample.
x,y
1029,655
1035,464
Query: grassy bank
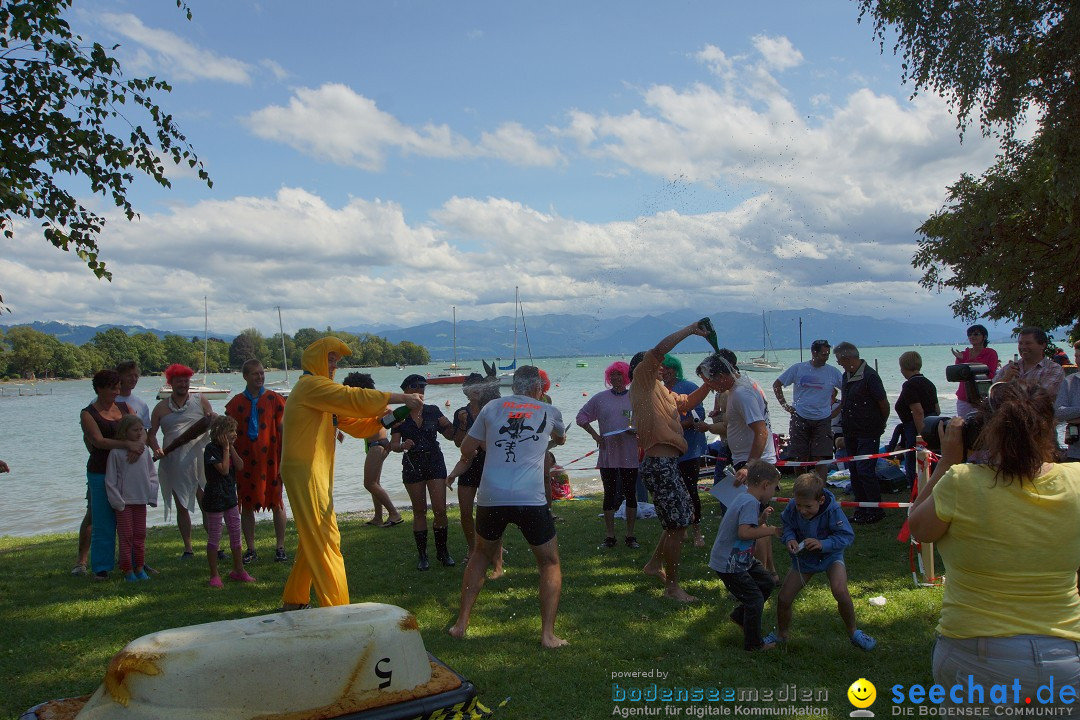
x,y
59,631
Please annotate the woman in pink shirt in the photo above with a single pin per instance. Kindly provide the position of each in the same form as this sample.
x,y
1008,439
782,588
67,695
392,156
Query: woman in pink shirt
x,y
980,353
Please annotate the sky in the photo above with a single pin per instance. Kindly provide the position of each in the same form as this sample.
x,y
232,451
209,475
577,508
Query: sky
x,y
383,162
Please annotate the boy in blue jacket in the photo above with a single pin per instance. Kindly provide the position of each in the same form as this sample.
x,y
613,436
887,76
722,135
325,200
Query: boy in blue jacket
x,y
816,531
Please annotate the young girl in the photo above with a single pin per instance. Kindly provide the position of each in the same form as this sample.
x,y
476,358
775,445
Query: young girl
x,y
130,488
219,498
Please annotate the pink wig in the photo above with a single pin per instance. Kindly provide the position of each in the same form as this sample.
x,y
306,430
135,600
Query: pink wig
x,y
545,382
176,370
618,366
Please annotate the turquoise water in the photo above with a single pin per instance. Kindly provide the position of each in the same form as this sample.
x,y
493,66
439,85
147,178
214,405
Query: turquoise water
x,y
42,441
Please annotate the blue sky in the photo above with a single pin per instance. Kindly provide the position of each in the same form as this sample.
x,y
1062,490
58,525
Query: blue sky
x,y
378,162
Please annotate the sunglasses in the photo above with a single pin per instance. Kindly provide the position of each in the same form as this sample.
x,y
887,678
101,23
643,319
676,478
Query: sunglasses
x,y
416,386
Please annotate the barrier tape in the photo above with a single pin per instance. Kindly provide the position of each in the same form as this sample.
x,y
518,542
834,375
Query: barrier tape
x,y
851,503
591,452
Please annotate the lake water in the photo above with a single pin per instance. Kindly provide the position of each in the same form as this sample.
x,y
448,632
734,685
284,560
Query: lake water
x,y
42,440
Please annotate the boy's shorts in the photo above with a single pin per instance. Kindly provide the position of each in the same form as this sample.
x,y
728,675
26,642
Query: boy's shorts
x,y
809,562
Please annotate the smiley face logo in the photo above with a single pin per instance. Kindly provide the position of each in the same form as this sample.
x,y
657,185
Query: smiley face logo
x,y
862,693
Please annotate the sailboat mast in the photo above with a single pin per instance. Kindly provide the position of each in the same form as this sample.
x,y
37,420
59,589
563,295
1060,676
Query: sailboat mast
x,y
454,308
517,304
284,357
205,326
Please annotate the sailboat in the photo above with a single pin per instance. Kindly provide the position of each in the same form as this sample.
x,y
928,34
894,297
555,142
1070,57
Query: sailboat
x,y
506,377
762,363
281,387
454,374
212,390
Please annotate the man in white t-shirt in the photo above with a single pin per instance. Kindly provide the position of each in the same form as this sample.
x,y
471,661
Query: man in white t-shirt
x,y
515,432
749,431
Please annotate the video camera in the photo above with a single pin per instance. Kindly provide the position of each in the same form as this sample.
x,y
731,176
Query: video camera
x,y
977,380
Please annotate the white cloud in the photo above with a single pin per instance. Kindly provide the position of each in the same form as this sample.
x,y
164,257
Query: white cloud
x,y
777,52
275,69
163,50
337,124
364,262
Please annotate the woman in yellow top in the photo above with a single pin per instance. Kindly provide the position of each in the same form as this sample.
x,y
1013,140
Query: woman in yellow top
x,y
307,467
1008,534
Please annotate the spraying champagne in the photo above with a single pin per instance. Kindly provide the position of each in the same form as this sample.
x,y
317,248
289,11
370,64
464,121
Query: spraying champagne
x,y
706,324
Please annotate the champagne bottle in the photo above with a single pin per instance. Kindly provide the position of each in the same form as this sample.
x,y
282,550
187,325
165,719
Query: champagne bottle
x,y
706,325
399,414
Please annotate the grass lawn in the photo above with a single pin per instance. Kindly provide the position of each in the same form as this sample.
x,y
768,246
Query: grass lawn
x,y
59,631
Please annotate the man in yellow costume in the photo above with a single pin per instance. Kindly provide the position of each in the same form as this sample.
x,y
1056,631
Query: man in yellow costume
x,y
307,468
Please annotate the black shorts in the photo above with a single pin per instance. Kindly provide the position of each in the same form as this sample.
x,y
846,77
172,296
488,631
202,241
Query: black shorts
x,y
418,466
471,477
534,521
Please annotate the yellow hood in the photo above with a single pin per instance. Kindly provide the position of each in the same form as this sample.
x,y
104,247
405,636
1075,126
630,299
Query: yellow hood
x,y
314,358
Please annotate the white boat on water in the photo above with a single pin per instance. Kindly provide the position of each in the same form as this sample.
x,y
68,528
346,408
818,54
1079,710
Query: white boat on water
x,y
211,390
762,363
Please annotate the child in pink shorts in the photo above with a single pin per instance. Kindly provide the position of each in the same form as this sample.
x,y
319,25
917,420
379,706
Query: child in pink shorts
x,y
219,499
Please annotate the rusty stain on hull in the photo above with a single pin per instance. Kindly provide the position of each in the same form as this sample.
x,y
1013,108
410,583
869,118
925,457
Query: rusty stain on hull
x,y
123,664
408,622
442,680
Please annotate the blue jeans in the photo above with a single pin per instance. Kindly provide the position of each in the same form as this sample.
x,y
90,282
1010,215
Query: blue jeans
x,y
103,534
981,662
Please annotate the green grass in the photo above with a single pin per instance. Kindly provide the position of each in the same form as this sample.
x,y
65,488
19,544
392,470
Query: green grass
x,y
59,631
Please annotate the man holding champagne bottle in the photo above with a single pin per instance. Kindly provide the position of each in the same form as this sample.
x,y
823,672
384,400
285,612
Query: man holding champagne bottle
x,y
656,412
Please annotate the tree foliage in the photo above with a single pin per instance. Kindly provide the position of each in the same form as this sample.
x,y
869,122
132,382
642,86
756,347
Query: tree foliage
x,y
1002,241
67,111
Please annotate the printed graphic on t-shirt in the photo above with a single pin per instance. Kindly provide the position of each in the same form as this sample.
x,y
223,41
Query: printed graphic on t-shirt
x,y
518,428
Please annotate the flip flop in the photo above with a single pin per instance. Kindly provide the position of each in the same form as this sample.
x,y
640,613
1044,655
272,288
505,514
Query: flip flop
x,y
392,523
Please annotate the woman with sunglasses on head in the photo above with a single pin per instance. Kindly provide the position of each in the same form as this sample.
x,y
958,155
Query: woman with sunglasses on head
x,y
423,470
1007,533
979,353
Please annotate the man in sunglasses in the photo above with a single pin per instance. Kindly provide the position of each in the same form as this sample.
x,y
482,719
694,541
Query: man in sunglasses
x,y
816,384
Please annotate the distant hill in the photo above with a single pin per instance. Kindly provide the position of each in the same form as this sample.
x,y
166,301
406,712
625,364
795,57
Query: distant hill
x,y
82,334
569,335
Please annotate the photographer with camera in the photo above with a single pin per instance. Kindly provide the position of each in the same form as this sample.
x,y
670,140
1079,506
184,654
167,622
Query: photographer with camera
x,y
1008,536
1067,408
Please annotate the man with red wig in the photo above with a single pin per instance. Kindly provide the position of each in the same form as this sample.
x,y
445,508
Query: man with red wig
x,y
183,420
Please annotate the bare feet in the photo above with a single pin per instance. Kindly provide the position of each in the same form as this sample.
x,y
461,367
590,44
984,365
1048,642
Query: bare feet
x,y
496,574
553,641
677,593
656,570
457,632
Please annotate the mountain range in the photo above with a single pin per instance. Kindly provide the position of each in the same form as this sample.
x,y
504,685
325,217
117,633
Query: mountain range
x,y
585,335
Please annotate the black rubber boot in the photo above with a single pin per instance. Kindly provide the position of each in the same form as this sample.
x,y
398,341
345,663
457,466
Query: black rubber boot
x,y
421,548
441,551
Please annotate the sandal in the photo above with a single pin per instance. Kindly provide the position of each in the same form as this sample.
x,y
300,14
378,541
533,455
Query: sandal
x,y
392,523
79,569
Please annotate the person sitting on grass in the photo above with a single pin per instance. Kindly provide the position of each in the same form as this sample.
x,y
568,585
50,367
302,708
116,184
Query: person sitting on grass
x,y
732,556
816,531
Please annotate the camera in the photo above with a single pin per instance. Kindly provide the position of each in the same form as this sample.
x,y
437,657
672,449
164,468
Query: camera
x,y
1072,433
973,425
975,376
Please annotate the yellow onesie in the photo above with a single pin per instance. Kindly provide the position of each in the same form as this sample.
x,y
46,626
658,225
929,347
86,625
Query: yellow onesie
x,y
307,470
